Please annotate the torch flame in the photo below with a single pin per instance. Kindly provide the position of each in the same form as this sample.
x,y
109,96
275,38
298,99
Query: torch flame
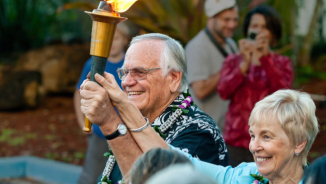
x,y
121,6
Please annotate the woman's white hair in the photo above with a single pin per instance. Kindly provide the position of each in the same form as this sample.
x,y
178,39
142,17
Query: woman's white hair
x,y
295,111
173,57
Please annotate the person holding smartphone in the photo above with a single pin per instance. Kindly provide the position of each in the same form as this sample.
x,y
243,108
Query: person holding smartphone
x,y
251,75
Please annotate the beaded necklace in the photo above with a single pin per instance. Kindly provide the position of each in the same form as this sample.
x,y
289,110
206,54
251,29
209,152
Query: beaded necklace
x,y
178,110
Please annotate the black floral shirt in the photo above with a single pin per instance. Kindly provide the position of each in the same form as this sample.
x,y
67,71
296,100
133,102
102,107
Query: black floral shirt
x,y
195,133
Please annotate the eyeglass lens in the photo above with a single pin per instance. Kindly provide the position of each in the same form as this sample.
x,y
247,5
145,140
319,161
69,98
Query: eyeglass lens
x,y
137,73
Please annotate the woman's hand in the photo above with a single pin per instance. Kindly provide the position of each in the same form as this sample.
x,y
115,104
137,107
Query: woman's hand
x,y
116,95
261,48
245,46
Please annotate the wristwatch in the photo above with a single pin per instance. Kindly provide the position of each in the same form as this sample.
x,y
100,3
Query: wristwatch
x,y
121,130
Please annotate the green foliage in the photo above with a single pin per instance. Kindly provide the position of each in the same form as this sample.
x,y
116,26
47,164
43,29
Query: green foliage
x,y
33,23
157,130
52,156
67,159
49,137
79,155
323,127
306,73
16,141
24,23
6,134
314,154
181,19
261,179
14,138
108,154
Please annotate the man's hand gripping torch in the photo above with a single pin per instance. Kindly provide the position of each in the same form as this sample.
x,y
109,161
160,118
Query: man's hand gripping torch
x,y
105,19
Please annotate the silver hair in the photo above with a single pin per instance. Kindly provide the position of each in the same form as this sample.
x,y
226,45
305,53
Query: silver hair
x,y
295,111
173,57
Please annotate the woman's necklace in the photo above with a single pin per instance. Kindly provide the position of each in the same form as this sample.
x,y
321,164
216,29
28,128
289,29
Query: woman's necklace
x,y
178,110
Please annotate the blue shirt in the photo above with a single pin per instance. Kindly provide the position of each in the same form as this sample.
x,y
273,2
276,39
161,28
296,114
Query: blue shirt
x,y
220,174
109,68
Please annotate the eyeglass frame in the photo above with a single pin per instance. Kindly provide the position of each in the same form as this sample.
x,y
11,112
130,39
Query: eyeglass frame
x,y
128,71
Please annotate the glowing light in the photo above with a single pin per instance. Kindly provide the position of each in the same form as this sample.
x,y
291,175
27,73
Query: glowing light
x,y
121,6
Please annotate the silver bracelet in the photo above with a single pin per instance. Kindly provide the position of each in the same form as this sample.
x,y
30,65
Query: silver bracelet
x,y
141,128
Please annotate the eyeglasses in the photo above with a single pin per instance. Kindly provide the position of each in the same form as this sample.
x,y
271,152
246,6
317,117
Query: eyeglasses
x,y
138,73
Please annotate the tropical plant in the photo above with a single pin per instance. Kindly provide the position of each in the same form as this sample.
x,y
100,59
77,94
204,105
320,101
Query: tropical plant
x,y
33,23
23,23
181,19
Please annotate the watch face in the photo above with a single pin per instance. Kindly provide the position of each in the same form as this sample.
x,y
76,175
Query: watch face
x,y
122,129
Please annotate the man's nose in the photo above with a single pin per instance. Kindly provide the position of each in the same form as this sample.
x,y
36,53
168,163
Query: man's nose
x,y
128,80
233,24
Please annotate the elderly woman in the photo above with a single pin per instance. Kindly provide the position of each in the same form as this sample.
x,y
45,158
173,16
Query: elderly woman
x,y
250,76
283,127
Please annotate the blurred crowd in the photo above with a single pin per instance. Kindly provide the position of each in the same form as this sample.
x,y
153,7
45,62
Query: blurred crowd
x,y
239,122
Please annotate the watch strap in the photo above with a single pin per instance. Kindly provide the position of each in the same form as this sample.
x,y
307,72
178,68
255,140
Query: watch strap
x,y
113,135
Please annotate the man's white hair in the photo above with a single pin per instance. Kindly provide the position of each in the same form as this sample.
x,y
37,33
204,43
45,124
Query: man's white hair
x,y
173,57
295,111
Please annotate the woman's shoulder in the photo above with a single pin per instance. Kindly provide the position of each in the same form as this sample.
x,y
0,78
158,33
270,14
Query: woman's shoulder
x,y
242,173
247,167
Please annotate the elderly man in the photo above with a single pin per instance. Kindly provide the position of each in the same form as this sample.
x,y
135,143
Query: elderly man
x,y
154,80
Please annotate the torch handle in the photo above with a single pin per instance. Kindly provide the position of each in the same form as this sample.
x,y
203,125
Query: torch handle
x,y
98,66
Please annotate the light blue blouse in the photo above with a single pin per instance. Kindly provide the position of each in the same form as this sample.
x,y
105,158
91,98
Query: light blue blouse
x,y
225,175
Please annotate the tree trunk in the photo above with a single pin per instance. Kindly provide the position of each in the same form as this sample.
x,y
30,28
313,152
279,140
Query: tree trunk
x,y
308,40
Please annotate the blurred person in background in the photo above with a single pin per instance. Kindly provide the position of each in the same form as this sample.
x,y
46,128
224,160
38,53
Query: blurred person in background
x,y
206,53
250,76
152,162
316,172
94,162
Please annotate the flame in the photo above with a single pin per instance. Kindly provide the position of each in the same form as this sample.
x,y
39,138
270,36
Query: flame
x,y
121,6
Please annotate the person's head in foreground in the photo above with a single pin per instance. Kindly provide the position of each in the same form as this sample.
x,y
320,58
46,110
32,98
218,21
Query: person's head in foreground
x,y
153,161
283,127
316,172
158,73
180,174
263,20
222,17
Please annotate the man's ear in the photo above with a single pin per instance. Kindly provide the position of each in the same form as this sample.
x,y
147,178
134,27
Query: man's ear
x,y
175,80
298,149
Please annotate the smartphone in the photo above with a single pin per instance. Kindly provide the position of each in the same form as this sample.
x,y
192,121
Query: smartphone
x,y
252,34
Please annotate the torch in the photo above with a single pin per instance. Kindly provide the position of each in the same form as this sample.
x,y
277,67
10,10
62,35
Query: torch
x,y
105,19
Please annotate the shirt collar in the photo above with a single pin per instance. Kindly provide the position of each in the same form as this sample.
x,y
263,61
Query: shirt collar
x,y
168,111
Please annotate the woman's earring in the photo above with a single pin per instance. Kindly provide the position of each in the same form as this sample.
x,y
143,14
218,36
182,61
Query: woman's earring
x,y
296,154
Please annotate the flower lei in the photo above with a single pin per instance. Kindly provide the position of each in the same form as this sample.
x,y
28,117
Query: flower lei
x,y
178,110
258,179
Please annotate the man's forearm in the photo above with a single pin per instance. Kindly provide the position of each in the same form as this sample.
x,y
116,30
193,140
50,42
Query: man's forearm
x,y
205,88
124,148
